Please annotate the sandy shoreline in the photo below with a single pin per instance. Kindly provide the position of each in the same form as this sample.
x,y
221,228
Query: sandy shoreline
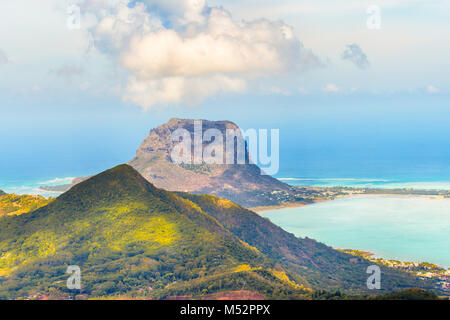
x,y
302,204
277,207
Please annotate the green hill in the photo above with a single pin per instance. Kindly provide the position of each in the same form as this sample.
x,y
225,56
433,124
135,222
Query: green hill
x,y
12,204
131,239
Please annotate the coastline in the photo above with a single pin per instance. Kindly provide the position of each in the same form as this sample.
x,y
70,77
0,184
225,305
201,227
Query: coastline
x,y
299,204
262,209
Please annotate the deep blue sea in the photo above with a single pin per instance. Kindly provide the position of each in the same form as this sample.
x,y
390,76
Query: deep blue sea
x,y
372,173
316,172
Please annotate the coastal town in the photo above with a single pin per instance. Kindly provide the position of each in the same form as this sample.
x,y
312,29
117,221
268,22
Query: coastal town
x,y
304,195
330,193
423,270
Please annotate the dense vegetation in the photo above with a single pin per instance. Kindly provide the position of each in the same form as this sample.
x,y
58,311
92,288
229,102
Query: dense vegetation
x,y
12,204
309,262
133,240
408,294
128,238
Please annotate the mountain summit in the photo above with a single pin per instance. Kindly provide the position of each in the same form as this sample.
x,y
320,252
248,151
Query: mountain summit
x,y
240,183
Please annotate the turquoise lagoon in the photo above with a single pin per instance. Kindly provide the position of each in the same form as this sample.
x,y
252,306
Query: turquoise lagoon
x,y
394,227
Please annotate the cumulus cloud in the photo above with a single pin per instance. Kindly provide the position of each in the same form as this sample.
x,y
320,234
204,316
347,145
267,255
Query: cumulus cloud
x,y
3,58
188,90
185,51
356,55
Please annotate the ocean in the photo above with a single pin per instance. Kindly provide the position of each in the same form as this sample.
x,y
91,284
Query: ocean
x,y
296,168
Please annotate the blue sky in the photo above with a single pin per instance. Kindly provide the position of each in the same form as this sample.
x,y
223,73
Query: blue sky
x,y
81,100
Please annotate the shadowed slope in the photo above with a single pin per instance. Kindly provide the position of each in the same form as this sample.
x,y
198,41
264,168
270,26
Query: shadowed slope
x,y
314,264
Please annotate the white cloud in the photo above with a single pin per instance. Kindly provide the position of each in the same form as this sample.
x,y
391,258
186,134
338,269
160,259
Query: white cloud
x,y
432,89
331,87
188,90
258,48
205,52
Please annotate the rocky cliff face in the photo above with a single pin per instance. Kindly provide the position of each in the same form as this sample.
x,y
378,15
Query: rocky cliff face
x,y
241,183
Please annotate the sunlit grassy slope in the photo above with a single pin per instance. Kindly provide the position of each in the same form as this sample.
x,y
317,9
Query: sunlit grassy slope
x,y
129,238
12,204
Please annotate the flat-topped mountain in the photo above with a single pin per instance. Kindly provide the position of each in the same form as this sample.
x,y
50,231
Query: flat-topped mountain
x,y
241,183
132,239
